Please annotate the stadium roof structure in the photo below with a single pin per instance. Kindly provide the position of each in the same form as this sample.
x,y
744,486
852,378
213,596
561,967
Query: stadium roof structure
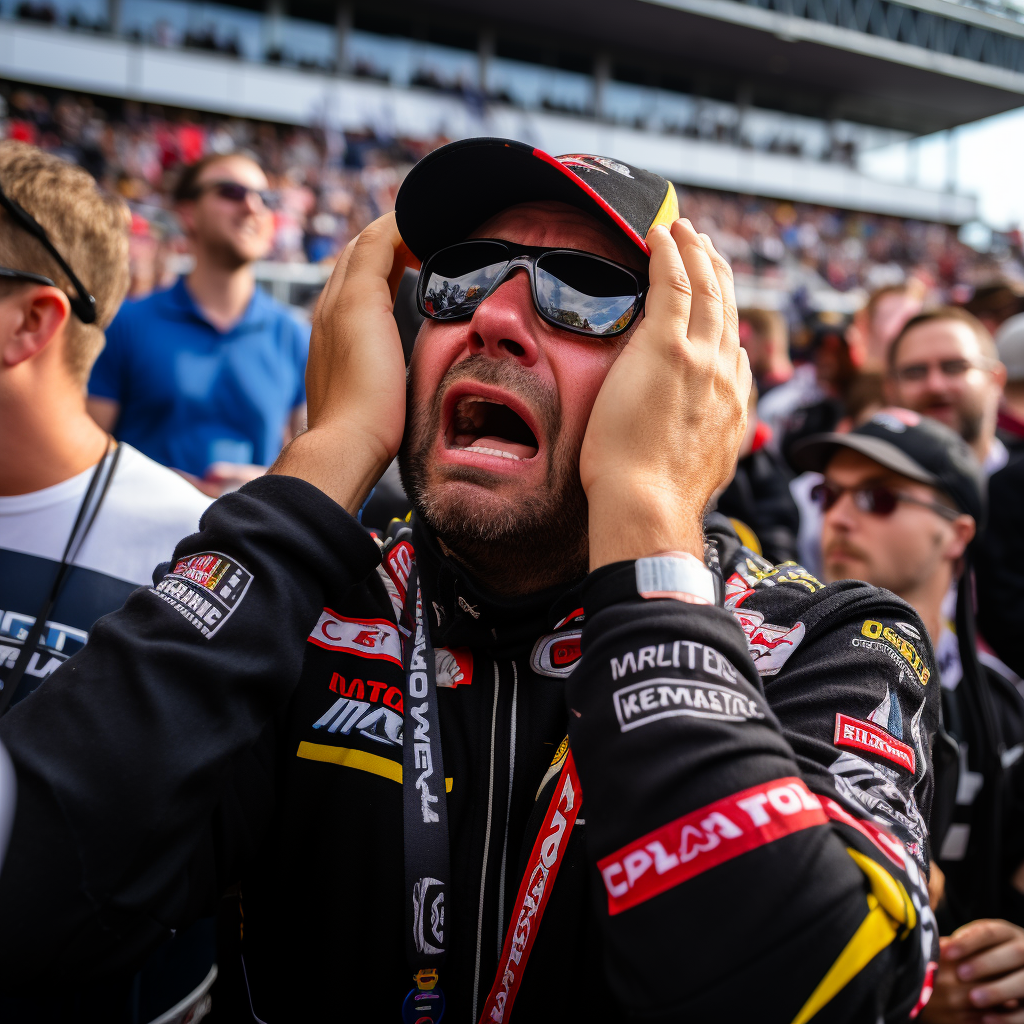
x,y
914,65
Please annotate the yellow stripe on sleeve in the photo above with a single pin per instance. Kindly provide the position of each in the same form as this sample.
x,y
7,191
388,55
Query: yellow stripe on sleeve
x,y
889,907
358,759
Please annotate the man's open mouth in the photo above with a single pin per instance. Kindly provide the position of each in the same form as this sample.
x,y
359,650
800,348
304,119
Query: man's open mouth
x,y
489,427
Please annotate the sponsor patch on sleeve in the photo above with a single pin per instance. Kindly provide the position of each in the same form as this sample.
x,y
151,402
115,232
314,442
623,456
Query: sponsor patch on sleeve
x,y
369,638
655,699
707,837
861,735
205,589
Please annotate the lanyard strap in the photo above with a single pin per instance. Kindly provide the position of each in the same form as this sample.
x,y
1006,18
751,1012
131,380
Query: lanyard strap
x,y
79,531
534,890
427,860
425,809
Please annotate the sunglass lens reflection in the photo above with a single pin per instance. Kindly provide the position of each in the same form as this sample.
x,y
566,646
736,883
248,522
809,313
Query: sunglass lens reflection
x,y
458,278
585,293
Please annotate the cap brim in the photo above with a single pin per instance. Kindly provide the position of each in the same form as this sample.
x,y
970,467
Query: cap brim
x,y
455,189
814,454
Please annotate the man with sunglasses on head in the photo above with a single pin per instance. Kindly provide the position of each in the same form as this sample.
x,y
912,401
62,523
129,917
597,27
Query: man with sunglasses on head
x,y
902,497
208,376
518,755
82,520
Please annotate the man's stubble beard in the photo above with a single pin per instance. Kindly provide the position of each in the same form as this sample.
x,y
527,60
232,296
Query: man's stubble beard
x,y
516,545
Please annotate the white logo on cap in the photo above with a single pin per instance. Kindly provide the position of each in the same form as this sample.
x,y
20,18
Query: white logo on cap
x,y
587,162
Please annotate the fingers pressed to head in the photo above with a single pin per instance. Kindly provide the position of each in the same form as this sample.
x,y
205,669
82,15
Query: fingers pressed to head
x,y
731,331
668,299
706,313
373,255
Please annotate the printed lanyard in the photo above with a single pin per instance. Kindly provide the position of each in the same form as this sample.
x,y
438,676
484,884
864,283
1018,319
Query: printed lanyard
x,y
427,861
425,816
534,890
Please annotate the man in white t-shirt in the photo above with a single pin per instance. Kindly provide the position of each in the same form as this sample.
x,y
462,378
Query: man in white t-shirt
x,y
63,274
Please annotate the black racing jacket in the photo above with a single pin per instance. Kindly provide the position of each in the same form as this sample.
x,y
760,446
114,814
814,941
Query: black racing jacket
x,y
750,846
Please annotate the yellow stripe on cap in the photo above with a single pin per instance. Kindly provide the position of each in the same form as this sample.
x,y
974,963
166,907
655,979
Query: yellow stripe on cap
x,y
358,759
889,907
669,211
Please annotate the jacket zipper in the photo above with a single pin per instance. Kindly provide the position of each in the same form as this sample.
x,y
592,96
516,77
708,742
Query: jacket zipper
x,y
487,849
508,809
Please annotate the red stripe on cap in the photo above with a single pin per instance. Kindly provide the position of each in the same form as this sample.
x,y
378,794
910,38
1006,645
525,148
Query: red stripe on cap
x,y
577,180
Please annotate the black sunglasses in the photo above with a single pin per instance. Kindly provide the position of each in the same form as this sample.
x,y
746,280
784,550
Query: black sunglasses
x,y
236,192
877,500
573,290
83,305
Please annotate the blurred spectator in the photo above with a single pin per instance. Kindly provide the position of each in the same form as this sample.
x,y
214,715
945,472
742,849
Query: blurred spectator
x,y
82,522
763,333
995,302
208,377
901,497
881,318
814,399
758,495
944,364
1009,341
1000,567
795,249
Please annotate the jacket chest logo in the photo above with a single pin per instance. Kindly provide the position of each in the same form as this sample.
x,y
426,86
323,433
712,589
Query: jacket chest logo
x,y
369,638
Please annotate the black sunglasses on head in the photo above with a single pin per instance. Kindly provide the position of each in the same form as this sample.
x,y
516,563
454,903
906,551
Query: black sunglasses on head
x,y
83,305
572,290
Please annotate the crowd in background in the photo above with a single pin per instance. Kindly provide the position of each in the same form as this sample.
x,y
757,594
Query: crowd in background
x,y
328,185
203,375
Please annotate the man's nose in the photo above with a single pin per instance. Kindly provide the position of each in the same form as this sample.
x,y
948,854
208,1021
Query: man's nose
x,y
505,323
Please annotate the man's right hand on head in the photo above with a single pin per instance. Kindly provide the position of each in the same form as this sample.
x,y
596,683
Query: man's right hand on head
x,y
668,421
355,376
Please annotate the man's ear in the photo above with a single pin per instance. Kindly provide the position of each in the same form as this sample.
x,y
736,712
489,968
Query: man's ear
x,y
963,531
29,321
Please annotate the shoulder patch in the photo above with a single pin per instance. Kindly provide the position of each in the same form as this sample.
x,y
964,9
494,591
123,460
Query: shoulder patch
x,y
205,589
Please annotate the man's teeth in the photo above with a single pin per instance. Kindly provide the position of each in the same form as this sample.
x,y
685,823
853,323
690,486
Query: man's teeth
x,y
491,451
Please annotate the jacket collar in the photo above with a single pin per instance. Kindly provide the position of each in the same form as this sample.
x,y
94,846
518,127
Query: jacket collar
x,y
463,613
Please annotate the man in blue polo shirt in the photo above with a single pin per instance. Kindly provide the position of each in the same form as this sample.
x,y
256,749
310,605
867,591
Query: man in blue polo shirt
x,y
208,377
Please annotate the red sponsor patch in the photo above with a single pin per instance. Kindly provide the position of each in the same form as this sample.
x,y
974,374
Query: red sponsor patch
x,y
369,638
454,666
852,732
556,654
705,838
398,565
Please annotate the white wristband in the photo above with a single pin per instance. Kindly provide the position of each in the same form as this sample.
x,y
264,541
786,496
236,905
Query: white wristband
x,y
675,574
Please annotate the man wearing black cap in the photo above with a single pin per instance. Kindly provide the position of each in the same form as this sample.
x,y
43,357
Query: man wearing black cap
x,y
378,752
902,497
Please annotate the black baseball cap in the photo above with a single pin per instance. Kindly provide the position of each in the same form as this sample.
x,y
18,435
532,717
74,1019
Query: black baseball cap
x,y
912,445
453,190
